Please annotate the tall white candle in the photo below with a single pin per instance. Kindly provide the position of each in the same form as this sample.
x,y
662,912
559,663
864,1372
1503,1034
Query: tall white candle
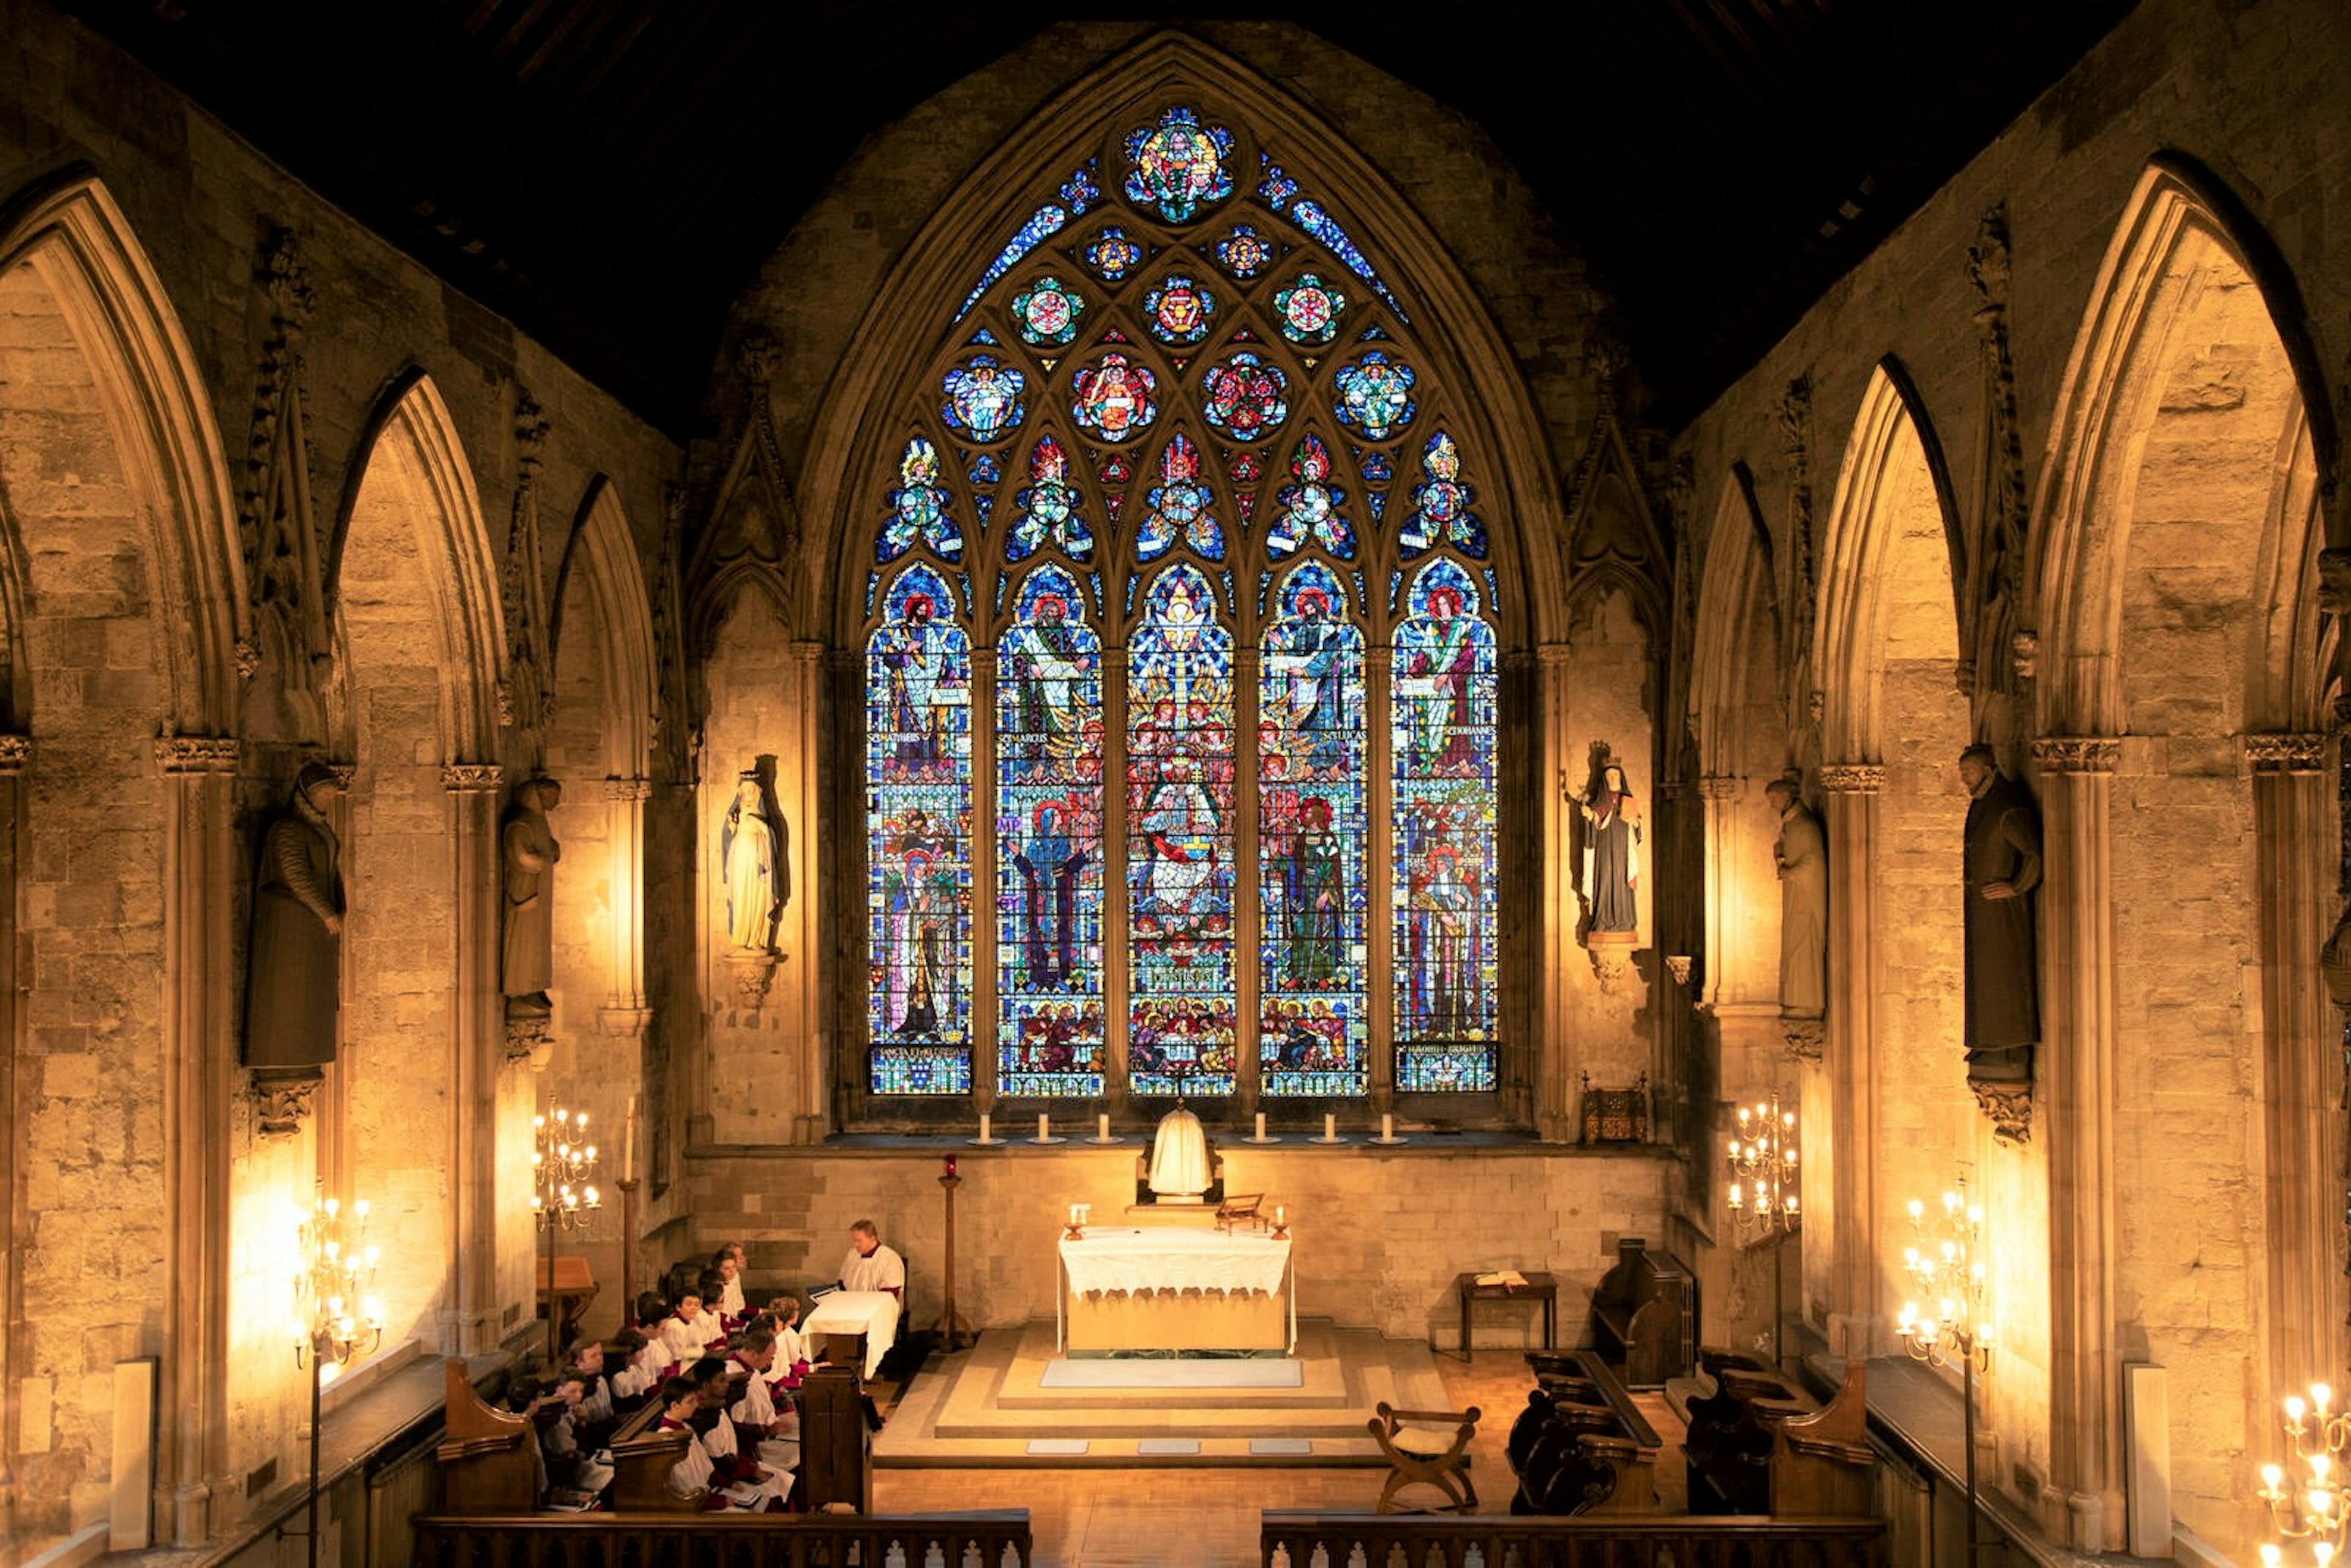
x,y
1387,1126
1330,1127
983,1127
1044,1125
1101,1126
629,1144
1261,1126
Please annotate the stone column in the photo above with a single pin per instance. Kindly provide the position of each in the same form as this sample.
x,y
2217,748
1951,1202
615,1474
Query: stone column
x,y
16,752
1849,1076
2085,1509
1742,993
1554,1074
2294,819
624,1013
801,932
199,1061
469,1322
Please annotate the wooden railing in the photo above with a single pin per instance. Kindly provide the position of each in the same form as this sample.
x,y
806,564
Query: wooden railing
x,y
1297,1538
997,1538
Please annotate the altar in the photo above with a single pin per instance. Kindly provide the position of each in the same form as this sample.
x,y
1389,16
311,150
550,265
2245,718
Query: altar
x,y
1162,1289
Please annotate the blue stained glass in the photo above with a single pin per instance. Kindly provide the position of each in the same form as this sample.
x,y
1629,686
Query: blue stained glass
x,y
1048,312
983,508
983,398
1313,1017
1049,1035
1178,164
1244,253
1309,310
1080,190
1178,311
1044,223
1052,510
1112,255
1310,507
1440,502
1377,468
918,815
1245,397
1180,507
1276,187
1374,395
984,469
1309,216
983,338
918,509
1445,935
1182,1008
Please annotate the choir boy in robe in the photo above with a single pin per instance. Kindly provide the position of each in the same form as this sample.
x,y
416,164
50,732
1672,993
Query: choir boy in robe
x,y
690,1332
691,1476
729,1263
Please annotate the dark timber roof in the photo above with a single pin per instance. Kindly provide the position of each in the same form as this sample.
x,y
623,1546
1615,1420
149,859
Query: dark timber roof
x,y
1721,161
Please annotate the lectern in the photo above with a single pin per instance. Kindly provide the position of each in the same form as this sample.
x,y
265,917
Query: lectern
x,y
834,1462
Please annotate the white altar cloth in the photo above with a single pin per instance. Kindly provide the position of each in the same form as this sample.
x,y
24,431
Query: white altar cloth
x,y
873,1313
1168,1259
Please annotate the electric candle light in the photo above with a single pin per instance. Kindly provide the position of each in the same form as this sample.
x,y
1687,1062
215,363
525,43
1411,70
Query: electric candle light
x,y
983,1127
629,1144
1261,1126
1329,1128
1044,1125
1387,1127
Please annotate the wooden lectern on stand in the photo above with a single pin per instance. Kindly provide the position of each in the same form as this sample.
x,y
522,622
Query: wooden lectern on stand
x,y
834,1454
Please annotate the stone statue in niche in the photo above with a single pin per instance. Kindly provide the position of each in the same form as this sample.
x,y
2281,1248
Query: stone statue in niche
x,y
750,864
1799,859
2003,860
527,851
1612,858
294,965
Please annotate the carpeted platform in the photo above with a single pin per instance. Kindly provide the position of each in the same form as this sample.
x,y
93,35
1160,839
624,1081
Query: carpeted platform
x,y
1175,1372
993,1406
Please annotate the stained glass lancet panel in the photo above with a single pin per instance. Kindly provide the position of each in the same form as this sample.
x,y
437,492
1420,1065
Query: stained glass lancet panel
x,y
1313,1035
1049,826
918,837
1182,1007
1443,730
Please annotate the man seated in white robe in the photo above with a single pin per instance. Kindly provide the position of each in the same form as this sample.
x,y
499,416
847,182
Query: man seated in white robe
x,y
869,1265
757,1413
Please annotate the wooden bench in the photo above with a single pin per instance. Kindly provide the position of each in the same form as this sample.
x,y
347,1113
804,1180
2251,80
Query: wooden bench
x,y
1644,1314
994,1537
1581,1446
1760,1444
489,1459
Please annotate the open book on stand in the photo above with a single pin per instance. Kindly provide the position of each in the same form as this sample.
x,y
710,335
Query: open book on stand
x,y
1508,1279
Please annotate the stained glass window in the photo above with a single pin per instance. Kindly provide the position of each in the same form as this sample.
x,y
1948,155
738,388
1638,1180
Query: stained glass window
x,y
1442,750
1314,1029
1049,766
918,806
1173,380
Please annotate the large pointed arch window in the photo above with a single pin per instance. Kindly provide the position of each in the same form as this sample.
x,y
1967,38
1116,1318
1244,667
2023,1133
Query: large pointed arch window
x,y
1183,503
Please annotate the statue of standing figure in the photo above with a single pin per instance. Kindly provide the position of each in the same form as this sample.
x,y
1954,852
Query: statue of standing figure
x,y
1799,856
2002,851
294,968
528,851
751,866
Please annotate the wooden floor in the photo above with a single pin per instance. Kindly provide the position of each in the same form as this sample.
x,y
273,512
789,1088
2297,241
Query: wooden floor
x,y
1129,1519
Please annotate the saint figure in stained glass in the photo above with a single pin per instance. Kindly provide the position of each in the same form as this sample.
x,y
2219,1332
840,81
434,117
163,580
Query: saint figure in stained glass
x,y
1048,509
1180,506
1374,395
1114,397
918,508
983,398
1178,164
1244,397
1310,506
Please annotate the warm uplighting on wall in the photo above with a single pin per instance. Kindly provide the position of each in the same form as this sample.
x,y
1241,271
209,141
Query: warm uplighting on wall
x,y
334,1321
1765,1181
561,1197
1947,1266
2309,1497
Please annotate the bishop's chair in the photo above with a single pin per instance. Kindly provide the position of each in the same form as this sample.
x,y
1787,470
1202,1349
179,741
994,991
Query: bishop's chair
x,y
1426,1447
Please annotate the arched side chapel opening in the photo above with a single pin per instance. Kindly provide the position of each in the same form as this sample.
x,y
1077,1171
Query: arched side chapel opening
x,y
429,1124
118,582
1125,399
2185,694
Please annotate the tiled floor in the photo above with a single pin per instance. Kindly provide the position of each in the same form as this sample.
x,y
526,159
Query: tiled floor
x,y
1135,1518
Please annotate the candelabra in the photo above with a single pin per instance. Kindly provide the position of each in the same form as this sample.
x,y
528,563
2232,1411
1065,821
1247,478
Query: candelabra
x,y
1947,1268
2314,1506
333,1323
561,1197
1763,1192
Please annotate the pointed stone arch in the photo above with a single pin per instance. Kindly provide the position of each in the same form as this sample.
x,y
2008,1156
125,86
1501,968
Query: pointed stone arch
x,y
2184,675
602,557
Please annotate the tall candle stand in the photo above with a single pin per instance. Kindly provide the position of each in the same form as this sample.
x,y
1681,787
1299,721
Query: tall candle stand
x,y
1762,1197
1947,1267
561,1198
333,1324
952,1331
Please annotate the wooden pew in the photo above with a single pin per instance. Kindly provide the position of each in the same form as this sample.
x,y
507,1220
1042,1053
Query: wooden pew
x,y
642,1455
1644,1314
1822,1463
489,1459
1760,1444
1581,1446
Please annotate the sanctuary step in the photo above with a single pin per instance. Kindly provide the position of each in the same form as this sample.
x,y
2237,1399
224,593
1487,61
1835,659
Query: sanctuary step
x,y
988,1406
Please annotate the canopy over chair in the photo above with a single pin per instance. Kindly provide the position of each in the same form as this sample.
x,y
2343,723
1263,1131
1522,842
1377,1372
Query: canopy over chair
x,y
1427,1446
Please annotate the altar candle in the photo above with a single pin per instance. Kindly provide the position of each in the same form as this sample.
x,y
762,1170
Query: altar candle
x,y
1281,1216
1261,1126
1101,1126
1044,1125
983,1127
1329,1128
629,1144
1073,1213
1387,1126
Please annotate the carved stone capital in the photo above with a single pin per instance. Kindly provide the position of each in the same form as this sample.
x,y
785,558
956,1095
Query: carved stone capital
x,y
281,1097
1807,1037
1719,786
344,773
196,753
1678,965
624,1022
472,777
807,651
2334,581
2024,650
1853,777
2077,753
753,973
983,663
1609,968
530,1038
2286,752
1554,655
15,753
2010,1106
627,789
248,659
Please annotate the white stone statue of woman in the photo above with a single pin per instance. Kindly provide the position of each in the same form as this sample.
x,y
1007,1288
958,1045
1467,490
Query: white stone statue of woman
x,y
751,868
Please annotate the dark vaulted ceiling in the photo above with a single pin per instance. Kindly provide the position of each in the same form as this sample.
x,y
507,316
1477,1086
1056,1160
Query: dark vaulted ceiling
x,y
1721,161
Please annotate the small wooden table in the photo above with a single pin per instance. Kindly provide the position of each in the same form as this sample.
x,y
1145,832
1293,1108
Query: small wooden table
x,y
1539,1287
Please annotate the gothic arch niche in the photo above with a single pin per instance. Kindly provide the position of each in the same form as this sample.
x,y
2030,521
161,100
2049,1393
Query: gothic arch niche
x,y
1162,365
119,584
2180,527
422,1106
600,746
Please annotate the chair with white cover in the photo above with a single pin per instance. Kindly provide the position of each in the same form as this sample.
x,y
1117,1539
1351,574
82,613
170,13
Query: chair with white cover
x,y
1426,1447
